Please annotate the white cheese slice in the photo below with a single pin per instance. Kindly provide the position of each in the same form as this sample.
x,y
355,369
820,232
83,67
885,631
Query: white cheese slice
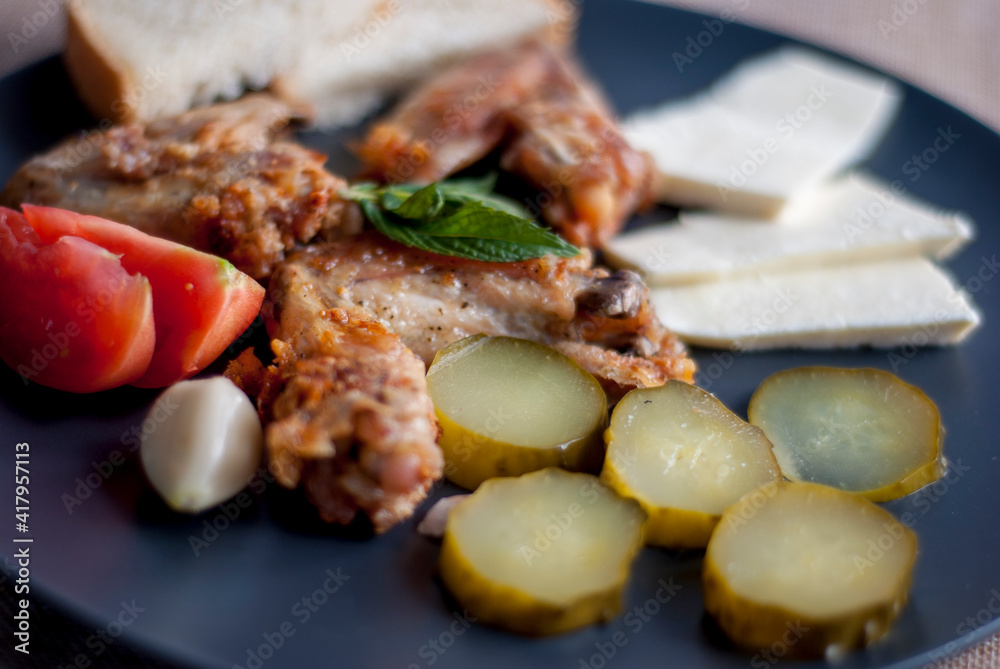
x,y
855,218
882,304
772,128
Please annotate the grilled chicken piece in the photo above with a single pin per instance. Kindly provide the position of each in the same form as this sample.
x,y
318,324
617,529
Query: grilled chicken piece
x,y
345,405
455,118
219,179
555,127
431,301
353,322
590,179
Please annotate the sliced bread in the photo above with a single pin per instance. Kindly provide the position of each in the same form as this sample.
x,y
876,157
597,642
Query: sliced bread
x,y
135,60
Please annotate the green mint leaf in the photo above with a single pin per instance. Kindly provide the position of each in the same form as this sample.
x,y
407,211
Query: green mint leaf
x,y
470,188
424,205
504,204
474,219
399,232
472,248
462,218
392,197
490,250
481,190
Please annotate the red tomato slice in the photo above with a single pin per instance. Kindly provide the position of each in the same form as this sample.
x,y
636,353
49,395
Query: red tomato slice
x,y
71,317
201,303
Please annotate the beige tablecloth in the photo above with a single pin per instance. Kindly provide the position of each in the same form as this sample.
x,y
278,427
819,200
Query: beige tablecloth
x,y
950,48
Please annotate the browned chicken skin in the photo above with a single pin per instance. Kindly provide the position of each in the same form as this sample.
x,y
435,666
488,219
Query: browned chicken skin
x,y
353,322
219,179
556,130
454,119
590,180
345,405
431,301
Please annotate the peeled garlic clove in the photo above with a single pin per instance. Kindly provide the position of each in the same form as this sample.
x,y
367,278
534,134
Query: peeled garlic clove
x,y
206,445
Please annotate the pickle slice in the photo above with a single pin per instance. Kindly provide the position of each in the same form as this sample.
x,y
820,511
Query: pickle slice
x,y
815,569
861,430
685,457
510,406
544,553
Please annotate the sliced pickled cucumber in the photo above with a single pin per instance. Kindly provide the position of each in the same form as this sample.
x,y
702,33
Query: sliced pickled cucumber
x,y
861,430
815,569
685,457
543,553
509,406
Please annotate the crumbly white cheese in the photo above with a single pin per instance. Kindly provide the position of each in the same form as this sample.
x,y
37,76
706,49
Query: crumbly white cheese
x,y
882,304
770,129
855,218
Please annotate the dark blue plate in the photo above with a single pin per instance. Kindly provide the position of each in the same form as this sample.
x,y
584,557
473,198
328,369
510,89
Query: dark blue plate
x,y
244,586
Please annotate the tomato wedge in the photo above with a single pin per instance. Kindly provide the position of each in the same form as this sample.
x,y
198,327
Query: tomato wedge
x,y
71,317
201,303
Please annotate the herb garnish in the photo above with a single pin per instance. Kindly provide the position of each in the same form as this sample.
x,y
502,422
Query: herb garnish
x,y
459,217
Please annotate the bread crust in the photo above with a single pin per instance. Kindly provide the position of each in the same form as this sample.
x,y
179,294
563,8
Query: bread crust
x,y
104,80
99,80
